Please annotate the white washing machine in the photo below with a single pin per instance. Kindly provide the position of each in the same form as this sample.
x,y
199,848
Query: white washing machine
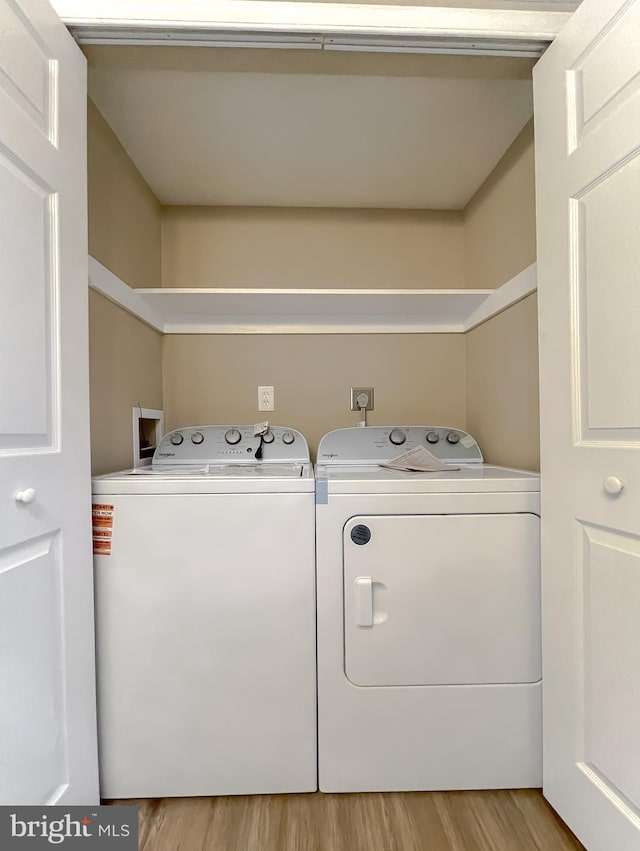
x,y
428,588
205,617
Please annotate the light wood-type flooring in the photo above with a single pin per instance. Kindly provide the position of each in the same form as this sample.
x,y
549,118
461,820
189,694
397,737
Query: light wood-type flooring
x,y
392,821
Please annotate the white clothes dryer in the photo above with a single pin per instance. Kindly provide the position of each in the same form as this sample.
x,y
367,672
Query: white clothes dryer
x,y
205,617
428,594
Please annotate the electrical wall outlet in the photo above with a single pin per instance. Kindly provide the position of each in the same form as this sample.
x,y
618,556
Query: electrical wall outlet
x,y
266,399
357,397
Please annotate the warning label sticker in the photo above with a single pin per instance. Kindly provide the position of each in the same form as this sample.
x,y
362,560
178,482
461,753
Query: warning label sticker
x,y
102,516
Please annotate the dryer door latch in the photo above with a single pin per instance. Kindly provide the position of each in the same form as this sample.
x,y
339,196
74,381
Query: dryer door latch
x,y
364,601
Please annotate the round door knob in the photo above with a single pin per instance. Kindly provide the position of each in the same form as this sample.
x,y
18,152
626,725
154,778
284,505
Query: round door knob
x,y
233,436
397,437
613,485
27,496
197,437
452,437
176,439
287,437
268,437
433,437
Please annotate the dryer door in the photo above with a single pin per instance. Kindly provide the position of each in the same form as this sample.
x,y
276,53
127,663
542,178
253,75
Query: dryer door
x,y
442,599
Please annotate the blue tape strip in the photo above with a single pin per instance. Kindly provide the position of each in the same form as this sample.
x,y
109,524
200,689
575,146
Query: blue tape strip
x,y
322,491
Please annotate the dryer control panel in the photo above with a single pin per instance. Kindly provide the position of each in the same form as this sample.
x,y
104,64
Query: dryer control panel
x,y
375,444
230,444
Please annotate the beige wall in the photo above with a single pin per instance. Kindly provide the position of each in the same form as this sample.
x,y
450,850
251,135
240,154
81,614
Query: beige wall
x,y
500,219
418,378
274,247
502,354
126,369
124,214
125,354
215,378
502,386
486,379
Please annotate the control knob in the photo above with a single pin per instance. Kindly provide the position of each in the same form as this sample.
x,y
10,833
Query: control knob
x,y
433,437
176,439
197,437
452,437
397,437
232,436
268,437
288,438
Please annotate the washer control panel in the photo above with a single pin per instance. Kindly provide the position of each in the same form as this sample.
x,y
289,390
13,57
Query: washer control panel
x,y
374,444
230,444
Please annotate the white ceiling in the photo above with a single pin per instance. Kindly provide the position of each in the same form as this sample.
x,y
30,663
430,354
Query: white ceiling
x,y
303,138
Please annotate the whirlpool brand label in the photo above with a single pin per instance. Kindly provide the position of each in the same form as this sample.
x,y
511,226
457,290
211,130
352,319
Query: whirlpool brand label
x,y
103,828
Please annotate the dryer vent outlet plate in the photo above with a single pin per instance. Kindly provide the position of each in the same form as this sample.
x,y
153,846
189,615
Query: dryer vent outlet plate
x,y
356,392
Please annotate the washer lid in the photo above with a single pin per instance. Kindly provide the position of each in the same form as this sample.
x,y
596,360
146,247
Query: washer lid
x,y
244,471
215,478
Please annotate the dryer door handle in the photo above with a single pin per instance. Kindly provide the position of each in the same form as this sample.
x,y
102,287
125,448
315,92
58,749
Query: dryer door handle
x,y
363,591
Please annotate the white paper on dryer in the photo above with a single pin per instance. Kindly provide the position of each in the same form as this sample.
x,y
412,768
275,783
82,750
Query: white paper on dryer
x,y
418,460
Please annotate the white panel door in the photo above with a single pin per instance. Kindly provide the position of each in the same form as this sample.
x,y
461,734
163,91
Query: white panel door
x,y
587,99
442,599
47,683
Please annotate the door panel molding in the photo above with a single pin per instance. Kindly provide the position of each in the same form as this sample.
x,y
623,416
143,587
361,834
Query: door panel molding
x,y
28,73
31,422
31,571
